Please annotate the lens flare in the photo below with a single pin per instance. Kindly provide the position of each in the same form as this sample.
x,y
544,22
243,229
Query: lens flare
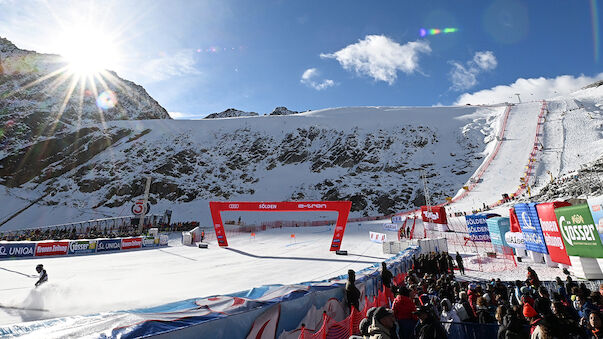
x,y
594,15
435,31
106,100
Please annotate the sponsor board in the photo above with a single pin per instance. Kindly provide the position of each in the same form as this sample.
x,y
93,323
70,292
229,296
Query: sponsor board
x,y
579,232
391,227
377,237
52,248
105,245
530,227
17,250
550,230
497,228
150,241
82,246
515,240
397,219
434,214
596,211
477,225
131,243
163,240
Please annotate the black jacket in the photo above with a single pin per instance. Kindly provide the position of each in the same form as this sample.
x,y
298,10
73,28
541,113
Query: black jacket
x,y
430,329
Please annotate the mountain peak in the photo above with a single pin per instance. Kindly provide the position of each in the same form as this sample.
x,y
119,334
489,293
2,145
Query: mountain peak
x,y
231,113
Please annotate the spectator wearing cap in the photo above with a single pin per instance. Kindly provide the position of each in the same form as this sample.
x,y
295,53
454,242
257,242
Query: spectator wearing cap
x,y
537,329
366,322
383,325
428,327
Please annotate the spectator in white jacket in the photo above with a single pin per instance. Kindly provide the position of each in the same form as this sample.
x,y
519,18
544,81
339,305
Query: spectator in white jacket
x,y
450,320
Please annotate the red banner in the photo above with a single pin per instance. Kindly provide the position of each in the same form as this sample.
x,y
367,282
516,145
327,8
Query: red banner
x,y
434,214
342,207
550,230
130,243
514,222
52,248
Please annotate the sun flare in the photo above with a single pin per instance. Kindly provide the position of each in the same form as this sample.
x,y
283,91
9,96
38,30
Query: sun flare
x,y
87,50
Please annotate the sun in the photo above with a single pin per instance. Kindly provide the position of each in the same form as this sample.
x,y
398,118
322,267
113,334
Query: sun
x,y
88,50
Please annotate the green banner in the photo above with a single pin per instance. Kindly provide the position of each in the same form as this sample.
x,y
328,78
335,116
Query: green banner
x,y
578,231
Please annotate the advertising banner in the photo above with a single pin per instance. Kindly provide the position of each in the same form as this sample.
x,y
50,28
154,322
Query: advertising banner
x,y
434,214
513,220
550,230
52,248
150,241
596,211
82,246
397,219
17,250
130,243
530,227
477,225
579,232
377,237
391,227
497,227
515,240
105,245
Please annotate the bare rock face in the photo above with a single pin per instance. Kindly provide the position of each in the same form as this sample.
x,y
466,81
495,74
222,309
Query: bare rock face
x,y
282,111
230,113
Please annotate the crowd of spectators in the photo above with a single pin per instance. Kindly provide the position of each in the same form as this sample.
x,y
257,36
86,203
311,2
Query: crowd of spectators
x,y
429,303
94,232
178,227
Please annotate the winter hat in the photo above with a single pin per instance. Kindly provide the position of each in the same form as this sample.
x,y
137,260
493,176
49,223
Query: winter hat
x,y
382,312
370,313
529,311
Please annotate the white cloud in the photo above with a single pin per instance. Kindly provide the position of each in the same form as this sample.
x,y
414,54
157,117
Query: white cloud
x,y
528,89
380,58
465,77
485,60
171,65
308,79
462,78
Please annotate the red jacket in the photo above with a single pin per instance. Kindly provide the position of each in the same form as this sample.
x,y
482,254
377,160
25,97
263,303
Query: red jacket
x,y
403,308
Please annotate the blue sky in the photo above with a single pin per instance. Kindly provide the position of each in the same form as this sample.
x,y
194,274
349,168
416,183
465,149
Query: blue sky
x,y
200,57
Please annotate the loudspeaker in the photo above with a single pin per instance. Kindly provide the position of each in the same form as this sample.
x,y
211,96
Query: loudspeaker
x,y
341,252
203,245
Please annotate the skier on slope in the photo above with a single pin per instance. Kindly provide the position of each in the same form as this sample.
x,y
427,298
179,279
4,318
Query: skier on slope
x,y
43,276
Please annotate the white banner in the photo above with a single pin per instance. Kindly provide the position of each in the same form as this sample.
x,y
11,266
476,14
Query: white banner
x,y
377,237
515,240
391,227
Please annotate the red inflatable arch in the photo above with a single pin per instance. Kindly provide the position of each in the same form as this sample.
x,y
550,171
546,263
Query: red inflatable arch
x,y
341,207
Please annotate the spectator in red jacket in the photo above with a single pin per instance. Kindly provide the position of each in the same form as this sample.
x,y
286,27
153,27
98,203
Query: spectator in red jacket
x,y
403,308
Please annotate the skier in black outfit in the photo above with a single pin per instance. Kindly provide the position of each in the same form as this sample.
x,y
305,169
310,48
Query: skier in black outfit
x,y
352,293
386,276
459,262
43,276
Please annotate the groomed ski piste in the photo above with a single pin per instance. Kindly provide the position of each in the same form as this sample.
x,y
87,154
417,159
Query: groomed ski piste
x,y
89,295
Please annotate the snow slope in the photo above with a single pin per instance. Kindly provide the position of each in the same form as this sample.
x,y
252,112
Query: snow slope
x,y
372,156
144,278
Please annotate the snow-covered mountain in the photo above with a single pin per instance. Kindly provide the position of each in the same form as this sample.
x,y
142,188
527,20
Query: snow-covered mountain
x,y
79,166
